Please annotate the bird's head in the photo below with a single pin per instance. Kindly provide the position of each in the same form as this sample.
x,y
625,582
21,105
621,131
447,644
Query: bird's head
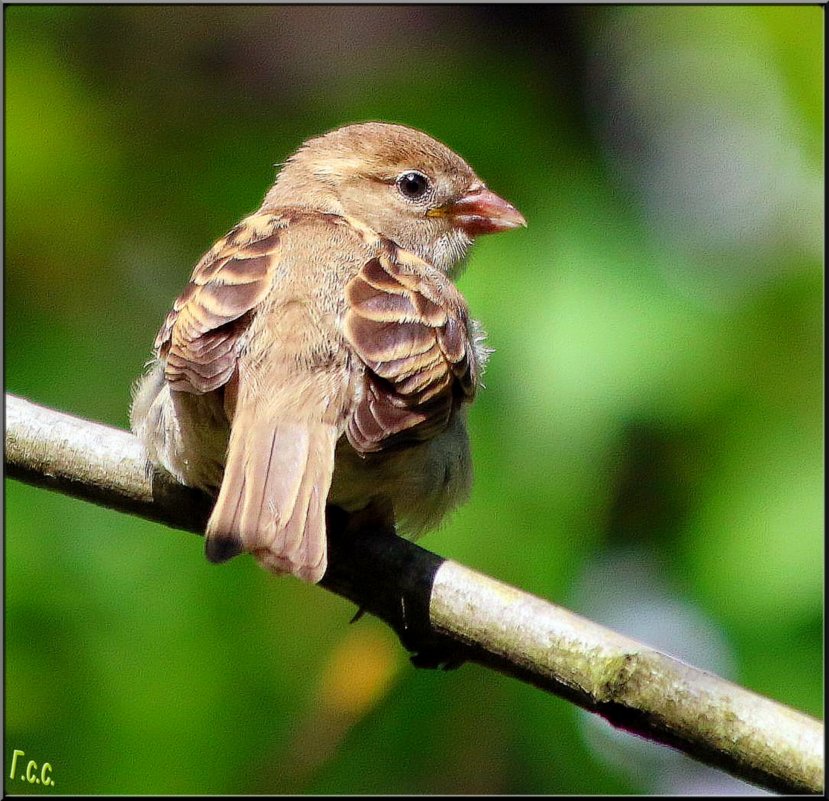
x,y
401,183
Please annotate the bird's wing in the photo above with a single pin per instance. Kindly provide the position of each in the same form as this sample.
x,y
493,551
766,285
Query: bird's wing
x,y
200,338
409,325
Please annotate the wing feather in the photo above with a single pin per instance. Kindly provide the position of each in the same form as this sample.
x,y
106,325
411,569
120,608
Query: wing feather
x,y
410,327
201,336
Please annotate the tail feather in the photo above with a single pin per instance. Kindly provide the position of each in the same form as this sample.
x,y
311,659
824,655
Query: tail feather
x,y
222,538
312,552
290,497
272,499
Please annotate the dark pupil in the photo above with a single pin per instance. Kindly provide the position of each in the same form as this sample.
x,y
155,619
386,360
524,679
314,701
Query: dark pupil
x,y
413,184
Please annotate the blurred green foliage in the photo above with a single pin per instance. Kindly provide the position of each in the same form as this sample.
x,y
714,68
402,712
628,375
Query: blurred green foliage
x,y
656,386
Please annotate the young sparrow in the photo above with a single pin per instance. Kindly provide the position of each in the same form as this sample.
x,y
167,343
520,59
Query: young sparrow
x,y
321,355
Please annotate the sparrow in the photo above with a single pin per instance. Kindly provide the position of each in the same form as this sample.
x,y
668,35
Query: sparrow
x,y
322,356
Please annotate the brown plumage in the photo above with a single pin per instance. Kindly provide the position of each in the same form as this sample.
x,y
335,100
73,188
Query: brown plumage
x,y
320,353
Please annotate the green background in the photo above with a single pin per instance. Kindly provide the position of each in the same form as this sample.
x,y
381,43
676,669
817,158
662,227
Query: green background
x,y
648,449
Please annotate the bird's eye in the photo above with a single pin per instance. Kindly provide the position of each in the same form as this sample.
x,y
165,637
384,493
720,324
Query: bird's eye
x,y
413,185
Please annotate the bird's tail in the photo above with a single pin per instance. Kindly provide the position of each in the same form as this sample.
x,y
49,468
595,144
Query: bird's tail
x,y
273,495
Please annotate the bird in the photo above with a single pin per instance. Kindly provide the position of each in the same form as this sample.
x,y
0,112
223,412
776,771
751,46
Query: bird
x,y
321,356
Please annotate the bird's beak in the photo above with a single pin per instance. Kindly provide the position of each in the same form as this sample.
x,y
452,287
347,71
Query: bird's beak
x,y
481,211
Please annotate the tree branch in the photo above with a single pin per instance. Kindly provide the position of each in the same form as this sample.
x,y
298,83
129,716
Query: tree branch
x,y
449,614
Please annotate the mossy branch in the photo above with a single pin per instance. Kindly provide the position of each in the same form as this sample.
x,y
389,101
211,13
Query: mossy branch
x,y
448,614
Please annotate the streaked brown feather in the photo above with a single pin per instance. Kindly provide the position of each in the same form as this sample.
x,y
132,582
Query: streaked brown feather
x,y
201,335
408,324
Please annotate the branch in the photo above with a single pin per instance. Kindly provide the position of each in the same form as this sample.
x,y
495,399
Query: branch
x,y
449,613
